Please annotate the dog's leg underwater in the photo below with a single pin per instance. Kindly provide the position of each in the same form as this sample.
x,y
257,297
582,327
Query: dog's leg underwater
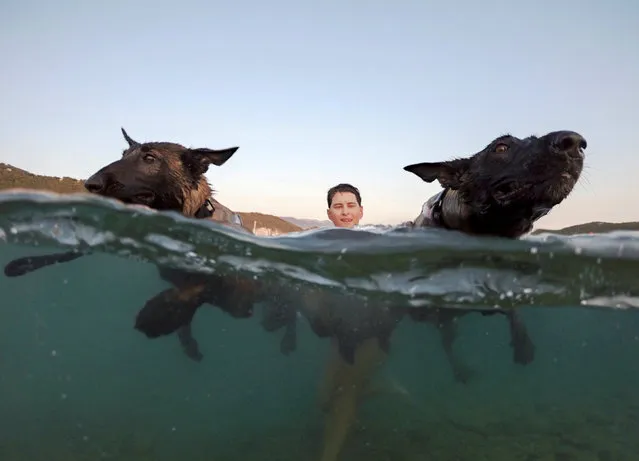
x,y
23,266
279,312
189,344
447,326
170,311
173,309
288,343
523,347
445,320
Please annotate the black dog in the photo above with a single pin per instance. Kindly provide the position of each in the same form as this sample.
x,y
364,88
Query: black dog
x,y
500,191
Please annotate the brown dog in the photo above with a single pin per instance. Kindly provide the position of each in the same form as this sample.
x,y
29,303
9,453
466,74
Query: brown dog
x,y
169,177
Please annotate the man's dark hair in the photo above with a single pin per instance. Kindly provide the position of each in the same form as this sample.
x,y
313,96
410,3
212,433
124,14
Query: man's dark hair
x,y
343,187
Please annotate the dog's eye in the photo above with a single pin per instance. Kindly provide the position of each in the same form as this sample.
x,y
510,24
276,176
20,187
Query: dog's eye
x,y
148,158
500,148
504,189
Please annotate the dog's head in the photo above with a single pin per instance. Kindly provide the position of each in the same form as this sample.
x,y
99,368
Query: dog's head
x,y
511,183
160,175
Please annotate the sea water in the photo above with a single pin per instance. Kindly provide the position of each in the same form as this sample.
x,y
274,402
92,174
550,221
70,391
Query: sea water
x,y
78,382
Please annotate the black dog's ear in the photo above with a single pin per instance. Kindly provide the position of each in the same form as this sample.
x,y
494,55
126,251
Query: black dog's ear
x,y
198,160
129,139
450,174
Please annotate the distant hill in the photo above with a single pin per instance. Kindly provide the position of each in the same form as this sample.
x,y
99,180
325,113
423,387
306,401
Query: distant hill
x,y
264,224
307,223
255,221
11,177
594,227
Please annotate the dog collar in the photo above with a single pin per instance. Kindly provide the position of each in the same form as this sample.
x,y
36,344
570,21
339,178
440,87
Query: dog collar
x,y
436,213
236,219
206,210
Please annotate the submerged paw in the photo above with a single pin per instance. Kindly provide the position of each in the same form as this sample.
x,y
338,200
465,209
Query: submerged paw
x,y
163,315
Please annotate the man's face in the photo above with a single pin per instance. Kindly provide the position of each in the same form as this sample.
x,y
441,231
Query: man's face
x,y
344,210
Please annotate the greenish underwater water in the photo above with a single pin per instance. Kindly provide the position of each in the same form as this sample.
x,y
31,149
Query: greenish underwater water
x,y
77,382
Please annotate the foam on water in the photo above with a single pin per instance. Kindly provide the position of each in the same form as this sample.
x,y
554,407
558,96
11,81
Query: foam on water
x,y
423,267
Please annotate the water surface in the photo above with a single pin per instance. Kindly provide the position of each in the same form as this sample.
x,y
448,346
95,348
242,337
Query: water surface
x,y
77,382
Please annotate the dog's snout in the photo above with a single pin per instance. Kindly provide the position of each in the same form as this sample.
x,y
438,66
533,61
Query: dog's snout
x,y
569,140
95,184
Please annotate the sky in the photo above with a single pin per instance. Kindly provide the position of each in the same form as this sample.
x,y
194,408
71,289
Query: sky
x,y
317,93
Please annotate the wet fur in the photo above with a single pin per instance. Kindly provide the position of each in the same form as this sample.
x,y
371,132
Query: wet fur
x,y
500,191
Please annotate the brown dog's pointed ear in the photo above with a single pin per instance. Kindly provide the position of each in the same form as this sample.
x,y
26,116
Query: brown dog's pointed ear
x,y
129,139
198,160
449,174
214,156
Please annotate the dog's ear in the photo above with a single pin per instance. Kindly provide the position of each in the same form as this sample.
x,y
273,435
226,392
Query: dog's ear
x,y
129,139
450,174
198,160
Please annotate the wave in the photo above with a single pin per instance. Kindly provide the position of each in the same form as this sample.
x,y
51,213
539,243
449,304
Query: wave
x,y
426,267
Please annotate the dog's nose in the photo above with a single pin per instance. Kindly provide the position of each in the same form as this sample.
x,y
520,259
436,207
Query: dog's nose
x,y
569,140
95,184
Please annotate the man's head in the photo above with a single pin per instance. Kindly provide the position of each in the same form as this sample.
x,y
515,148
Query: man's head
x,y
344,205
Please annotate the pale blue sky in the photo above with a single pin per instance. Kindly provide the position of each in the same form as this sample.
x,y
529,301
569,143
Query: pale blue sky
x,y
317,93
